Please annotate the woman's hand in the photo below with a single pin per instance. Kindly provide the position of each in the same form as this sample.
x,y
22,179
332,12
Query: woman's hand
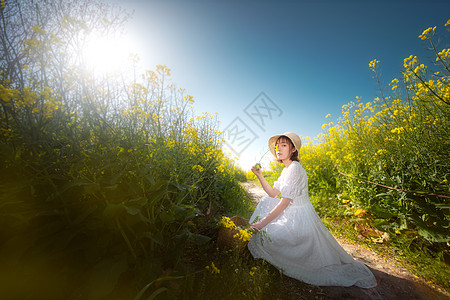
x,y
257,226
257,172
272,215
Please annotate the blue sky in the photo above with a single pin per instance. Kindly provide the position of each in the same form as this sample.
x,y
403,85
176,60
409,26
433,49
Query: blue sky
x,y
308,57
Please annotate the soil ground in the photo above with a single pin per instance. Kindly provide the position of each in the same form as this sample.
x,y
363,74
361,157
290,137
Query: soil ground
x,y
394,282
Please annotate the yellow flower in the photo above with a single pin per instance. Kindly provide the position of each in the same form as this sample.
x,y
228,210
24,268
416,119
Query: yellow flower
x,y
394,83
443,54
448,23
360,212
398,130
381,152
189,98
221,168
198,168
226,222
213,269
410,61
425,33
373,63
38,29
244,235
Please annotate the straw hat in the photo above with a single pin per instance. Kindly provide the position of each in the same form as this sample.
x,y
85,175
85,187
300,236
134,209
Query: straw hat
x,y
295,139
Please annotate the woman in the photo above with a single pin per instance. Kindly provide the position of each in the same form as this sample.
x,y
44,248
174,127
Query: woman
x,y
291,235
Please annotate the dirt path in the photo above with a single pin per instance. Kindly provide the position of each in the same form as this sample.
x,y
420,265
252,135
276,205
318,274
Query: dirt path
x,y
394,282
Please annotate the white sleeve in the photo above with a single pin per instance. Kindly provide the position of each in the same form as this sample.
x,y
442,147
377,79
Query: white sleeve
x,y
276,185
291,186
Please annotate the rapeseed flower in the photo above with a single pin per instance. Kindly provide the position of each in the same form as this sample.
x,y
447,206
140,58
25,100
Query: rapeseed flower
x,y
381,152
213,269
197,168
426,32
360,212
244,235
373,63
227,222
221,168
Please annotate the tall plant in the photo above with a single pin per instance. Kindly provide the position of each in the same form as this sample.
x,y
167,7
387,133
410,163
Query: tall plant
x,y
103,178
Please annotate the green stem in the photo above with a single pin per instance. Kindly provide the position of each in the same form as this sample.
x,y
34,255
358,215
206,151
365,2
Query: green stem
x,y
125,237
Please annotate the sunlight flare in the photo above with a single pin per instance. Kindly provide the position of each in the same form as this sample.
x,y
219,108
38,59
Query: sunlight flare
x,y
107,54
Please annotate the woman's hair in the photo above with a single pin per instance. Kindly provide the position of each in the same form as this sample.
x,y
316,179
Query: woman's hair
x,y
294,155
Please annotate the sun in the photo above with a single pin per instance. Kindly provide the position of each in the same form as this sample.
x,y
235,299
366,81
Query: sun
x,y
107,54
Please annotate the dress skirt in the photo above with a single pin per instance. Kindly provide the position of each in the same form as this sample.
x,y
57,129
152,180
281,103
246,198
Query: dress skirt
x,y
299,244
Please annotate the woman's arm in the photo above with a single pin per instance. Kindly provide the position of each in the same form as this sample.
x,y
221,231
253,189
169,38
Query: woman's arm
x,y
273,214
272,192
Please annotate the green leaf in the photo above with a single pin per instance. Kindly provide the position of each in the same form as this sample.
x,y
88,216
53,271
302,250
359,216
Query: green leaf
x,y
382,213
158,291
132,210
434,236
381,224
443,206
199,239
167,216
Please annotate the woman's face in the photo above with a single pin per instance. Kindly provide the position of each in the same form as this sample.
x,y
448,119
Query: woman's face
x,y
284,149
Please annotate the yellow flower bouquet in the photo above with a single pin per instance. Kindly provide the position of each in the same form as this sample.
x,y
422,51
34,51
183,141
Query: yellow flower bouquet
x,y
234,232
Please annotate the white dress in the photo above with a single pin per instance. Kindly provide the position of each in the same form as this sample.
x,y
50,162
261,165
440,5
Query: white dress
x,y
298,243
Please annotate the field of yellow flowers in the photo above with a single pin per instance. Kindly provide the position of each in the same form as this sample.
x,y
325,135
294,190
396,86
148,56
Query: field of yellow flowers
x,y
105,181
112,188
385,163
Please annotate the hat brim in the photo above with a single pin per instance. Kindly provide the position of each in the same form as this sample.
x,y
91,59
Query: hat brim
x,y
289,135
